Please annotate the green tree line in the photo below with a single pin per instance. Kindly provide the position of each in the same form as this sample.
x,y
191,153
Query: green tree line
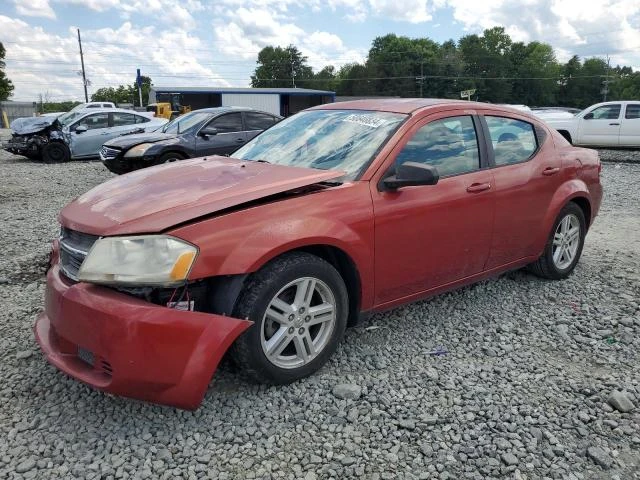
x,y
499,69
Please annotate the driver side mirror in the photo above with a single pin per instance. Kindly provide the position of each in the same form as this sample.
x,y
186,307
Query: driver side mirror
x,y
81,129
205,132
411,174
589,116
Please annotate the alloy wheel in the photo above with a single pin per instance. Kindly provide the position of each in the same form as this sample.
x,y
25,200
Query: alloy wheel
x,y
298,323
566,241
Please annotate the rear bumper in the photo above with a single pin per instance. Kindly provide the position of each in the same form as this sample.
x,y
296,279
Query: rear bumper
x,y
131,347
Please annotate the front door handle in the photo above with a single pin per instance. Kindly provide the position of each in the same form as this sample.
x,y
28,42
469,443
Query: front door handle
x,y
478,187
615,123
550,171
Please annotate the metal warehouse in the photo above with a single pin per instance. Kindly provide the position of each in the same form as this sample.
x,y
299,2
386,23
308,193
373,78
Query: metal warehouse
x,y
279,101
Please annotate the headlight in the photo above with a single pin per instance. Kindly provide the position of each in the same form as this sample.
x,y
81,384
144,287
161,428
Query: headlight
x,y
138,150
157,260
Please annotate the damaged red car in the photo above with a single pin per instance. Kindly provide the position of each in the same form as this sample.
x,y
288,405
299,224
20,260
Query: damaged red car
x,y
335,212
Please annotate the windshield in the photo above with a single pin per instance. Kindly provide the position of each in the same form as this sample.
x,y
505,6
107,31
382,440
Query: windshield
x,y
343,140
67,118
186,122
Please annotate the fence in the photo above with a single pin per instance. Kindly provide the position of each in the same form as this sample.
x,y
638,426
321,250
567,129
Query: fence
x,y
9,111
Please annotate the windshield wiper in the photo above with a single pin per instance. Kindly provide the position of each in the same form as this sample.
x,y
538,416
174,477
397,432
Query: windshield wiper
x,y
330,183
262,161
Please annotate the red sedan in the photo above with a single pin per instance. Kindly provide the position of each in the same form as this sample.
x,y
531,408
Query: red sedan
x,y
340,210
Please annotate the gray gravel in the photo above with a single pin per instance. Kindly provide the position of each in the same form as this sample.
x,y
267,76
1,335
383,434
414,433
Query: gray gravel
x,y
510,378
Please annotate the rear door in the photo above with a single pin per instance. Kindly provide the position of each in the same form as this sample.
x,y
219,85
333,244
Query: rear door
x,y
526,173
122,123
630,125
429,236
228,138
600,126
89,142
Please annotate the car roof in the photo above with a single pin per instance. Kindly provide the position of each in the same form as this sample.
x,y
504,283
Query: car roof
x,y
413,105
108,110
231,109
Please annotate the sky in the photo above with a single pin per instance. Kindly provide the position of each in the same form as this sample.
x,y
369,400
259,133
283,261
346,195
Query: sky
x,y
215,43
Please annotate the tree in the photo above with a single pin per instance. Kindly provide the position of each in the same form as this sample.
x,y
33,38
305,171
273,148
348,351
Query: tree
x,y
6,86
124,93
281,67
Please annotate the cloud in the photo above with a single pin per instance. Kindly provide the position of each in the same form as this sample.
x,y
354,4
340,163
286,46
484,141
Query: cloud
x,y
39,62
35,8
412,11
254,28
598,28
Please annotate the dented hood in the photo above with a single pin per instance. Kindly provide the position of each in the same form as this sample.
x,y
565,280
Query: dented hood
x,y
26,125
157,198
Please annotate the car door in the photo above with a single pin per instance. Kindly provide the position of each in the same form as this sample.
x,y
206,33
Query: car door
x,y
257,122
630,126
527,172
122,123
430,236
221,136
88,142
600,126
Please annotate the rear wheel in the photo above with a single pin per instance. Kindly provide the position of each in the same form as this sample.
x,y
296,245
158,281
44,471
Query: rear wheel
x,y
299,306
564,246
55,152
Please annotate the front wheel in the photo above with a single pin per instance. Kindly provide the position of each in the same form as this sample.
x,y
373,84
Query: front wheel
x,y
299,306
55,152
564,246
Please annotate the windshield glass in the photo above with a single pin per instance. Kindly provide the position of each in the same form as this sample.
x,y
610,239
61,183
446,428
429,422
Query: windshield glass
x,y
343,140
67,118
186,122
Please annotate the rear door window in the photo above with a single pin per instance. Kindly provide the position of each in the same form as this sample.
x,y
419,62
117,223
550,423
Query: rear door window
x,y
513,141
258,121
450,145
121,119
632,111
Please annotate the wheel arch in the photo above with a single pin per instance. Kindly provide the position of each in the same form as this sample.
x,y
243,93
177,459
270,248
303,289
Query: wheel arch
x,y
228,288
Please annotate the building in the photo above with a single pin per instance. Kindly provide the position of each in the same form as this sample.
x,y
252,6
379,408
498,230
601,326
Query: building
x,y
279,101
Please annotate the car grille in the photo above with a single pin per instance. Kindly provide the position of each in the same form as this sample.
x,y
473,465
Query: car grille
x,y
108,153
74,247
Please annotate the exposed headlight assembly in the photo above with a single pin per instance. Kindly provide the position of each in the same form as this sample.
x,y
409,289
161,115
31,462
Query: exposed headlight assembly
x,y
138,150
146,260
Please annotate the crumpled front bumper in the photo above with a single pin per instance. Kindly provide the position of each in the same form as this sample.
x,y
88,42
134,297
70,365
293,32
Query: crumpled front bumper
x,y
126,346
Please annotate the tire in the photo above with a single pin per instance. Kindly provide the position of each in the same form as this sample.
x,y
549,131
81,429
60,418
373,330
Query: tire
x,y
170,157
279,282
55,152
561,267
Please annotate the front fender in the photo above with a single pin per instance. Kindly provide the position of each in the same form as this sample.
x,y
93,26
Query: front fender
x,y
574,188
243,241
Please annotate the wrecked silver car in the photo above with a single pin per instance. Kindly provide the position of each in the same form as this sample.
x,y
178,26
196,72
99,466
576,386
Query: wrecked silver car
x,y
76,134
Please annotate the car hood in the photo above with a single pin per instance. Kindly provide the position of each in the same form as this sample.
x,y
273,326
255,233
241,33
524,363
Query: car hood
x,y
157,198
26,125
125,142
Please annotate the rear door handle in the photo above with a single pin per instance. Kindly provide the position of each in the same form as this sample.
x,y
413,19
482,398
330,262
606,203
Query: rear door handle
x,y
614,123
550,171
478,187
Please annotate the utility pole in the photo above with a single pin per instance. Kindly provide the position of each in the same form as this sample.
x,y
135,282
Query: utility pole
x,y
605,90
84,77
420,79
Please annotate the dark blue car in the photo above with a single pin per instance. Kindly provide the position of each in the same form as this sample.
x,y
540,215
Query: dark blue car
x,y
209,131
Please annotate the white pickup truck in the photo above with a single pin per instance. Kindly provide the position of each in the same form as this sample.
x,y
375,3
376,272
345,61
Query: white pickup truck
x,y
608,124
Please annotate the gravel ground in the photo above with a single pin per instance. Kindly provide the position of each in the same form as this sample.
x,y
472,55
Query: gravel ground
x,y
523,390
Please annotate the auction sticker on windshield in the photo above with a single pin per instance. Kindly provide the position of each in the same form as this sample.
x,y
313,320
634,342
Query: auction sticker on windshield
x,y
372,121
